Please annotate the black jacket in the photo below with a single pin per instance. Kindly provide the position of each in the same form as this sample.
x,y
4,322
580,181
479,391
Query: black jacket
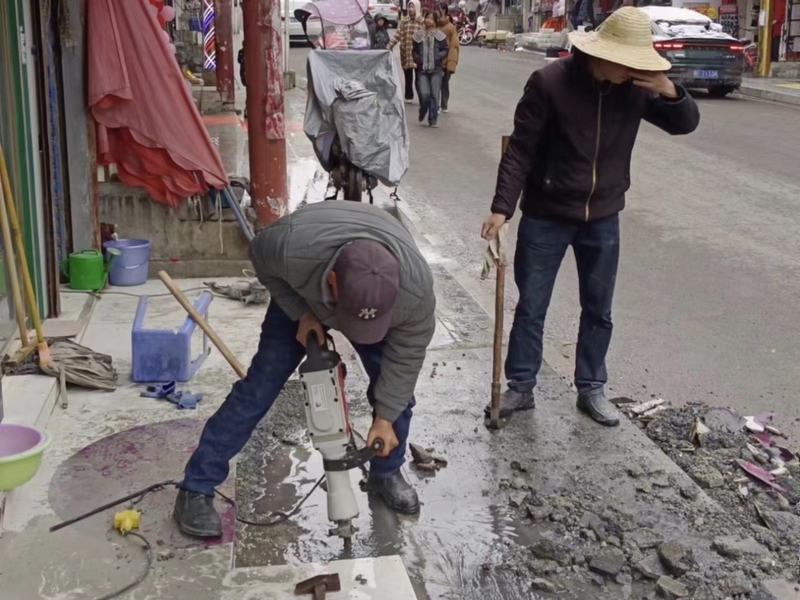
x,y
570,152
424,42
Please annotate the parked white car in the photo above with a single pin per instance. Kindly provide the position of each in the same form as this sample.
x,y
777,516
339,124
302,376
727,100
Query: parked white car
x,y
389,11
295,28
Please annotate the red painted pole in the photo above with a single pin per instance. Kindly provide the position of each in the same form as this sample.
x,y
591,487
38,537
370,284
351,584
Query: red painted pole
x,y
223,42
265,103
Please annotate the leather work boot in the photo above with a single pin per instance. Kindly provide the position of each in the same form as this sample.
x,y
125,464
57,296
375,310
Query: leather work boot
x,y
196,515
512,401
396,492
599,408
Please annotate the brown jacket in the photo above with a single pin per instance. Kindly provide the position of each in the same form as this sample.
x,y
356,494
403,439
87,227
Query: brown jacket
x,y
453,44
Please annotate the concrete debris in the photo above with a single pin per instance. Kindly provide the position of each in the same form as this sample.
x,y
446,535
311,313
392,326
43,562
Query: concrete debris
x,y
708,477
644,539
551,550
538,513
670,588
723,419
425,459
608,563
640,409
676,557
622,401
731,546
650,566
518,499
735,584
689,492
518,466
543,585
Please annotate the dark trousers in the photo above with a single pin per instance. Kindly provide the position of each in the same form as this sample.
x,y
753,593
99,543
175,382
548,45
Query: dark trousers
x,y
277,357
541,246
409,73
445,100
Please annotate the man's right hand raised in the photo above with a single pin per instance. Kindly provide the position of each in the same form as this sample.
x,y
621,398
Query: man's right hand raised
x,y
492,225
308,323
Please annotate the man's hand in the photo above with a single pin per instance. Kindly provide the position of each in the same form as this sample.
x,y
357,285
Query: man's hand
x,y
308,323
382,429
655,82
492,225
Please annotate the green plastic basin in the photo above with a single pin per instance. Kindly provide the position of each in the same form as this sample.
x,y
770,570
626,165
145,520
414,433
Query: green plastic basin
x,y
21,450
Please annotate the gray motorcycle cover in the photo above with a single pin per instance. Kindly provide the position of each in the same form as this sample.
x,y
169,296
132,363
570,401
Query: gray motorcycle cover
x,y
358,94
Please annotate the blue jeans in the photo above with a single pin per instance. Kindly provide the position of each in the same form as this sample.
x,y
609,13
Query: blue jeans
x,y
277,357
541,246
429,86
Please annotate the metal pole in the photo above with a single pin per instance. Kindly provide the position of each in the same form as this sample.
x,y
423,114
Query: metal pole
x,y
286,20
223,22
765,38
266,129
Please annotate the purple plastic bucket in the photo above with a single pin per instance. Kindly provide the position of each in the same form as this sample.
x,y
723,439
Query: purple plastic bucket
x,y
130,267
18,439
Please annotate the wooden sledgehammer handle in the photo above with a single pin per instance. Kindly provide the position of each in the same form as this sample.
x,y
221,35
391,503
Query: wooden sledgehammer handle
x,y
201,322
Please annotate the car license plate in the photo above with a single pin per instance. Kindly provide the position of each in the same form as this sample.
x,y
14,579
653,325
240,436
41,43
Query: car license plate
x,y
706,74
292,19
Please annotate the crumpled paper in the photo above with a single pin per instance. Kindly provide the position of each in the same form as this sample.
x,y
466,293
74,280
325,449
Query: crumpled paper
x,y
496,252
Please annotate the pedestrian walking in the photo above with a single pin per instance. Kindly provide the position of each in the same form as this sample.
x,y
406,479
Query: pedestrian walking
x,y
240,57
381,33
404,37
430,53
453,48
569,157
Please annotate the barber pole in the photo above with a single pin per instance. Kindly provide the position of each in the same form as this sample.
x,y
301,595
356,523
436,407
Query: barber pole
x,y
209,36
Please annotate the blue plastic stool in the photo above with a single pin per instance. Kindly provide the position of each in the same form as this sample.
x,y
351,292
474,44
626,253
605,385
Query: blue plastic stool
x,y
165,355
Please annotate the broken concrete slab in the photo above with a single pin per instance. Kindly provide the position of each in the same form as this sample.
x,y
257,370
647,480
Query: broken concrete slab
x,y
732,546
670,588
677,557
608,563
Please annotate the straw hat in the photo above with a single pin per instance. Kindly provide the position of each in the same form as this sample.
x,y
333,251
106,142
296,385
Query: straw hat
x,y
625,38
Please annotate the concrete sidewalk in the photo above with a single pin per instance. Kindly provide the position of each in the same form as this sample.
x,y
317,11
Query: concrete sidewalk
x,y
551,504
782,91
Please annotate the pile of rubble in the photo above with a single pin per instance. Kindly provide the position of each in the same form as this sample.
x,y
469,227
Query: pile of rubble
x,y
744,463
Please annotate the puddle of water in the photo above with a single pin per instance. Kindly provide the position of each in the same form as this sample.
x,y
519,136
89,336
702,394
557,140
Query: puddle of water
x,y
444,549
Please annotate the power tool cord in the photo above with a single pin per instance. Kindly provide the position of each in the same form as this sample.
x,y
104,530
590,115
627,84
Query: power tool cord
x,y
149,553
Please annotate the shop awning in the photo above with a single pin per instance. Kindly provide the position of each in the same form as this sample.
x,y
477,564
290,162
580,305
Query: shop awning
x,y
147,122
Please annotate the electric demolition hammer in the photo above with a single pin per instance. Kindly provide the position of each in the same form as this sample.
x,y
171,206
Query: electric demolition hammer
x,y
322,375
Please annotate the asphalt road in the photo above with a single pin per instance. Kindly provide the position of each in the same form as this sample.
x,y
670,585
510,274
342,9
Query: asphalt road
x,y
706,307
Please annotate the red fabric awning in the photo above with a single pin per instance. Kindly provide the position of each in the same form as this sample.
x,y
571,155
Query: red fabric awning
x,y
147,122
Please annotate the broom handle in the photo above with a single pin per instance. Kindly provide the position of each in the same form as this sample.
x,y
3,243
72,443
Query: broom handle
x,y
16,296
198,318
20,248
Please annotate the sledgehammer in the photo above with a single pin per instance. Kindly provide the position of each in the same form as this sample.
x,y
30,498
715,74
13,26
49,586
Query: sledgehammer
x,y
497,354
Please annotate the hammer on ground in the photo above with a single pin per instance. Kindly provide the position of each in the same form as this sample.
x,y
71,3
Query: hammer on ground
x,y
319,586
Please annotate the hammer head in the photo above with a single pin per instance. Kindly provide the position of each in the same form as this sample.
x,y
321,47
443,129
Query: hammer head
x,y
327,583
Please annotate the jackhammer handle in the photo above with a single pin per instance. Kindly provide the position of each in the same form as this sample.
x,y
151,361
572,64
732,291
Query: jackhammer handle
x,y
378,445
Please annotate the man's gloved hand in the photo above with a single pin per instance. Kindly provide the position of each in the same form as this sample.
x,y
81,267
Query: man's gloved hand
x,y
308,323
382,429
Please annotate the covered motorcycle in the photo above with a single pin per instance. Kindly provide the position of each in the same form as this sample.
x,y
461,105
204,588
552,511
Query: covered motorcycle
x,y
355,115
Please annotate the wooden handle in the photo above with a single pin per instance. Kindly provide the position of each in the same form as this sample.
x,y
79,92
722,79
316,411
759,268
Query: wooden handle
x,y
11,265
198,318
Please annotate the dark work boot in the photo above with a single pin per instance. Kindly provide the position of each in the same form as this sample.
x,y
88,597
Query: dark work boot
x,y
599,408
512,401
196,515
396,492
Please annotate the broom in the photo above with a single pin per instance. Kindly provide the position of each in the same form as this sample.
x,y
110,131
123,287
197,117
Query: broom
x,y
8,216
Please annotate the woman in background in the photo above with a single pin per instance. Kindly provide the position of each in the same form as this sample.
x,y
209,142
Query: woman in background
x,y
429,53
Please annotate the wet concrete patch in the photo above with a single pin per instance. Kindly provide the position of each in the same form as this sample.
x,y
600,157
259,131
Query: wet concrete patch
x,y
120,464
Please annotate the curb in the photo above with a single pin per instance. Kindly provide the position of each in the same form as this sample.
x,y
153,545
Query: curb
x,y
770,95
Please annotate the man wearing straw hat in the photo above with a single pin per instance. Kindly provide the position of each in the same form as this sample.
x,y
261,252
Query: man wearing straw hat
x,y
569,157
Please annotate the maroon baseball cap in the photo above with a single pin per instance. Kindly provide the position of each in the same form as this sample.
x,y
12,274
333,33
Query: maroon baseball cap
x,y
368,283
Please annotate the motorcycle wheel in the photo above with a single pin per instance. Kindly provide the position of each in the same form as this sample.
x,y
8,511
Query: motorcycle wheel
x,y
352,188
466,37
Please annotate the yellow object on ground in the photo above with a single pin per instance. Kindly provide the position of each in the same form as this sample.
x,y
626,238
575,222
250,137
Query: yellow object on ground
x,y
126,520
